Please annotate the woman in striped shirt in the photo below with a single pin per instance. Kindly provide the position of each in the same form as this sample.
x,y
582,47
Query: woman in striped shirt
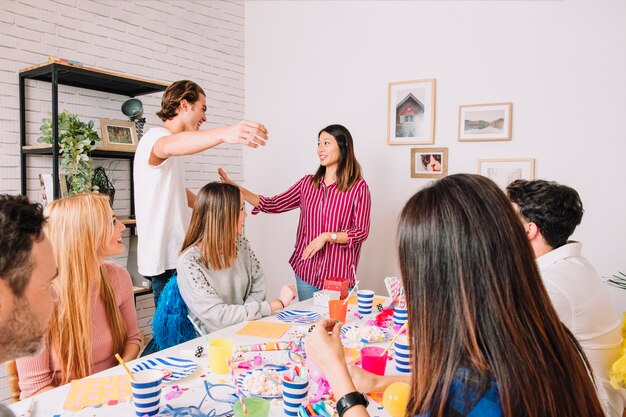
x,y
334,208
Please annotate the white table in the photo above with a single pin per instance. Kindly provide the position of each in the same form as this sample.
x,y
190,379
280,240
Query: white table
x,y
50,403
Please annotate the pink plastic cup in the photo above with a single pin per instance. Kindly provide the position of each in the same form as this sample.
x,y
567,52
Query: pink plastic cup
x,y
372,361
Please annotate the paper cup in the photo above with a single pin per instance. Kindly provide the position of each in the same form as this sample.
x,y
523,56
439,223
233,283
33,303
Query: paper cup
x,y
365,299
337,310
294,394
146,389
400,316
256,407
402,355
220,351
372,361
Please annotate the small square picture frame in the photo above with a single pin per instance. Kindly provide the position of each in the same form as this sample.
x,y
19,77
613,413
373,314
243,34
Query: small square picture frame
x,y
118,135
429,162
485,122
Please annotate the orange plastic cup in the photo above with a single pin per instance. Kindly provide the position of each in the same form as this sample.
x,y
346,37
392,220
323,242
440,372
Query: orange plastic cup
x,y
337,310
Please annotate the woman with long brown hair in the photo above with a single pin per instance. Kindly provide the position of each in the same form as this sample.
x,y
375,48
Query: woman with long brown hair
x,y
219,277
484,336
95,316
334,208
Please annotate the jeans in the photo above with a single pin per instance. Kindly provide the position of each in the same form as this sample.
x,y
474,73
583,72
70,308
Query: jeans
x,y
158,283
305,290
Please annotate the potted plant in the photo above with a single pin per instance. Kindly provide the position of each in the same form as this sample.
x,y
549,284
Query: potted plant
x,y
103,183
76,140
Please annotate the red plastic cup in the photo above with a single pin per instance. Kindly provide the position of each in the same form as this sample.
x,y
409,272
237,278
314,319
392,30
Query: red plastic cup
x,y
372,361
337,310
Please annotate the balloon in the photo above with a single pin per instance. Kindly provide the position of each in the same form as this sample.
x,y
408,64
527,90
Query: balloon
x,y
396,398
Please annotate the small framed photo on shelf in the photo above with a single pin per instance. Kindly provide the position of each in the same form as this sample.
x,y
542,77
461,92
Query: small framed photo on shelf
x,y
118,135
505,171
485,122
411,112
47,188
429,162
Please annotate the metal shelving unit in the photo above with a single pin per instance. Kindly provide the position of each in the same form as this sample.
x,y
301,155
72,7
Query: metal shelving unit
x,y
58,73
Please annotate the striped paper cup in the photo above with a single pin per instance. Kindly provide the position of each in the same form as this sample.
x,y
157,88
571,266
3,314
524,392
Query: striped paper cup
x,y
400,316
294,394
402,354
146,389
365,299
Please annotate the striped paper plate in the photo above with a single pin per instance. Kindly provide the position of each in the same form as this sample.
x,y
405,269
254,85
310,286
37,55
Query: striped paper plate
x,y
173,368
298,316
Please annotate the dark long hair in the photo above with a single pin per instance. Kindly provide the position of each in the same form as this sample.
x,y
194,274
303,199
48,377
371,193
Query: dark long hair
x,y
477,302
213,225
348,169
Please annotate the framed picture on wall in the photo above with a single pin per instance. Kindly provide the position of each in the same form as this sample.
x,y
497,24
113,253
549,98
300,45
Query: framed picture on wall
x,y
429,162
411,112
505,171
118,135
485,122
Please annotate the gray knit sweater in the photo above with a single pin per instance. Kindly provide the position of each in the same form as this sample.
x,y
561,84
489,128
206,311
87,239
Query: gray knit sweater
x,y
218,299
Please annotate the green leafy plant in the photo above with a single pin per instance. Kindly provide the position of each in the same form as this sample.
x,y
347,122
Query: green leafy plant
x,y
76,140
618,280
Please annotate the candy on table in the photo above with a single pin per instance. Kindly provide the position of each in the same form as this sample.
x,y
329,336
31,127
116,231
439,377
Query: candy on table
x,y
258,360
366,334
266,383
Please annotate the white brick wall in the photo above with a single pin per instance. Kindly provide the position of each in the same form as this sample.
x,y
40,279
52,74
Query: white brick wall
x,y
162,40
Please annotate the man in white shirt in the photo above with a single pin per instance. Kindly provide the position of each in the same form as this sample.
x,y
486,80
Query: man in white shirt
x,y
162,202
550,212
27,271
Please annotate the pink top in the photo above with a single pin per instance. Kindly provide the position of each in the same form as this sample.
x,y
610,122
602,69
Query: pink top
x,y
39,371
325,209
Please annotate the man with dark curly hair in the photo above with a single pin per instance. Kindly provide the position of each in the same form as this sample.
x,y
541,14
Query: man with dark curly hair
x,y
27,271
550,213
161,199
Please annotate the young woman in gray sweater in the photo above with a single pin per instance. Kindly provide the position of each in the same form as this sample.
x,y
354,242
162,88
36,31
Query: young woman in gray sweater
x,y
219,276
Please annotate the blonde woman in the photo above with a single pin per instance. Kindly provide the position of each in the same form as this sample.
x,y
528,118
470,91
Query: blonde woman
x,y
219,277
95,316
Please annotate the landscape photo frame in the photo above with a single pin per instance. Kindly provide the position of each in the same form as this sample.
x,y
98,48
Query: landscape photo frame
x,y
411,112
485,122
118,135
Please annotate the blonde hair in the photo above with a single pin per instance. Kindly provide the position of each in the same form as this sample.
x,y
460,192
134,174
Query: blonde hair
x,y
214,223
79,228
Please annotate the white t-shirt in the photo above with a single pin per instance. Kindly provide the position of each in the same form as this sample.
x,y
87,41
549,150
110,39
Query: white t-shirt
x,y
584,305
161,207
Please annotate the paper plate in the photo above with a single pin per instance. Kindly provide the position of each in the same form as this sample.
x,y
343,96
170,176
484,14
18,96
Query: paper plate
x,y
239,382
346,329
298,316
173,368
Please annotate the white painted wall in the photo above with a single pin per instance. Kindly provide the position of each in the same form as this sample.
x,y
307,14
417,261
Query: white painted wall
x,y
562,64
163,40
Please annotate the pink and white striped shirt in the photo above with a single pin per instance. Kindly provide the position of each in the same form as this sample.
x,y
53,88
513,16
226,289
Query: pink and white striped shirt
x,y
325,209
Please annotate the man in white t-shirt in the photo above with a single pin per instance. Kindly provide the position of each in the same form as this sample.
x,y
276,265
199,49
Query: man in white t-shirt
x,y
550,212
161,200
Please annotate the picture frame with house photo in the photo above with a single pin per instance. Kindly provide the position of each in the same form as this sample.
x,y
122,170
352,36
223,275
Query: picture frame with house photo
x,y
411,112
506,170
429,162
485,122
118,135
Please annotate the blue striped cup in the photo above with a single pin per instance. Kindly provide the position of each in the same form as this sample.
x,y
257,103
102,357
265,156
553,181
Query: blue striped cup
x,y
400,316
365,299
146,389
294,394
402,355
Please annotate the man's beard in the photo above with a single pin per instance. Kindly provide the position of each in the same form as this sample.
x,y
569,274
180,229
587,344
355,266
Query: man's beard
x,y
22,334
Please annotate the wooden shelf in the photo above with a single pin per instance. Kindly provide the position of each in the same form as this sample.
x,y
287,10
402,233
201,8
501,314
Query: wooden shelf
x,y
127,221
46,149
93,79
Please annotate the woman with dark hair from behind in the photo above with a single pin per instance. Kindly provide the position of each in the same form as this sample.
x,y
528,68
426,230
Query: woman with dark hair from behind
x,y
219,277
334,208
485,339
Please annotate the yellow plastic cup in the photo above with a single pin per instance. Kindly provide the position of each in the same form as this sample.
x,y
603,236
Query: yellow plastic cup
x,y
220,351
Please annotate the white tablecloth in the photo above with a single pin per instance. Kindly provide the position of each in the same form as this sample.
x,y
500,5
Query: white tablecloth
x,y
50,403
